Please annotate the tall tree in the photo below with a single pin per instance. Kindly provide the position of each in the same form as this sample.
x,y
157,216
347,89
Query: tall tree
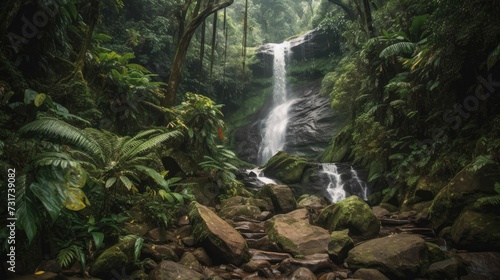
x,y
201,9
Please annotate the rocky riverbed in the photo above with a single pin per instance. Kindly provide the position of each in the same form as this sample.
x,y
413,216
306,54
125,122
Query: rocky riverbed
x,y
273,235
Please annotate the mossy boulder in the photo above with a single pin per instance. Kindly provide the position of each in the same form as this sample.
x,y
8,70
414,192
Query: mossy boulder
x,y
476,231
248,211
312,201
281,197
285,167
461,192
352,213
220,240
297,237
339,245
400,256
116,258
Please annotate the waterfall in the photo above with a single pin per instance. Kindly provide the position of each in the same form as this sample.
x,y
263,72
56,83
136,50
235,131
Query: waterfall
x,y
274,126
335,188
361,184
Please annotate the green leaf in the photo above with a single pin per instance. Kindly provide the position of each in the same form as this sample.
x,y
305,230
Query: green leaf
x,y
29,96
98,239
165,195
137,248
47,195
179,197
154,175
39,99
110,182
128,184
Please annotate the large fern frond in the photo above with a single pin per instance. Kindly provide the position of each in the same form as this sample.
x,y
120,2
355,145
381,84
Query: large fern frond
x,y
59,130
151,143
398,49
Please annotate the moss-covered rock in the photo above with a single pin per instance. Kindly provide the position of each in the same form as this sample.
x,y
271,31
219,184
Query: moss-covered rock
x,y
400,256
353,214
281,197
339,245
435,252
285,167
168,270
297,237
113,258
221,241
476,231
461,192
311,201
248,211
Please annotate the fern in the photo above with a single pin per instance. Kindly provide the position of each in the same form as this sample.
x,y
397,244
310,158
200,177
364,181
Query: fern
x,y
493,200
398,49
481,161
68,255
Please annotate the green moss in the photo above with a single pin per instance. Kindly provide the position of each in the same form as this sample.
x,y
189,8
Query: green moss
x,y
285,167
111,259
285,243
353,214
248,107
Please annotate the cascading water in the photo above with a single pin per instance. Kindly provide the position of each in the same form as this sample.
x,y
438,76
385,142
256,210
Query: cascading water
x,y
335,188
274,131
361,184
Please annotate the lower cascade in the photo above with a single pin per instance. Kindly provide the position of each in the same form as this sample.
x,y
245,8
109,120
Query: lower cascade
x,y
336,188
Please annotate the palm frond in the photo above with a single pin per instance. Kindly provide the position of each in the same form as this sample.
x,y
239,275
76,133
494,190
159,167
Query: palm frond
x,y
151,143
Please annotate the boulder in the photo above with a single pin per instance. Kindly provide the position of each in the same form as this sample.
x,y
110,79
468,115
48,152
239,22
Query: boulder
x,y
299,214
297,237
272,257
247,211
401,256
254,265
463,190
369,274
285,167
312,201
481,265
314,263
281,196
114,258
339,245
302,274
190,261
476,231
447,269
352,213
221,241
168,270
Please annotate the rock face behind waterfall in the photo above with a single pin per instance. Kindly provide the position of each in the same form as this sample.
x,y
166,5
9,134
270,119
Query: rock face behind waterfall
x,y
311,125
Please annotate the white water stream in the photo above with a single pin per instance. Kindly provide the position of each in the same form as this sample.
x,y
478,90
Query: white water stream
x,y
274,127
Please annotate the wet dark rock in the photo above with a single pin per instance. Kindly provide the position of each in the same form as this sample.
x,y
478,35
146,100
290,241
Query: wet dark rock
x,y
371,274
340,244
272,257
281,196
314,263
481,265
168,270
254,265
447,269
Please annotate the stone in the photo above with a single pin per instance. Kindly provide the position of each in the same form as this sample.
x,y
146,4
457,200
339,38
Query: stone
x,y
369,274
312,201
463,190
297,237
159,252
314,263
254,265
139,229
339,245
247,211
272,257
299,214
328,276
351,213
481,265
435,252
401,256
183,221
447,269
281,196
285,167
220,240
476,231
202,257
168,270
263,243
190,261
428,187
302,274
116,257
380,212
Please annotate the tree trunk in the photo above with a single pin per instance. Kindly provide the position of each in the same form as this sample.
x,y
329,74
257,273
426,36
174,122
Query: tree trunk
x,y
349,12
202,45
245,30
368,18
214,41
176,70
